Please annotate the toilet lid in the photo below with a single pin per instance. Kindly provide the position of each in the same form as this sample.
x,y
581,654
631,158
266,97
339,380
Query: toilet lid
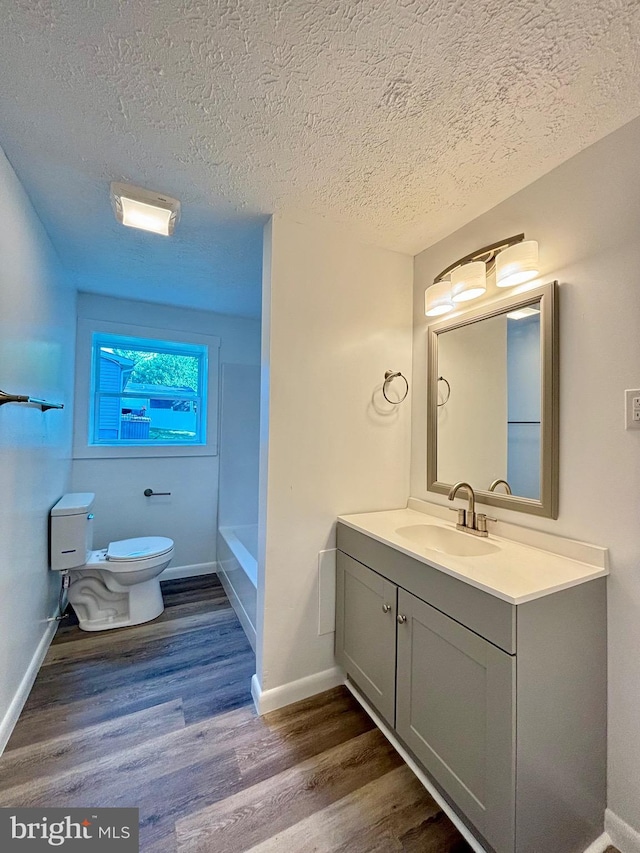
x,y
140,548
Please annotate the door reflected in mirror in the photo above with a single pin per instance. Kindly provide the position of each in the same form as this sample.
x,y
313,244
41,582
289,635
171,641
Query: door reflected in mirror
x,y
489,405
493,402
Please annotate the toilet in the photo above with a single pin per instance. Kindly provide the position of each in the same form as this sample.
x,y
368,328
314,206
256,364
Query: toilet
x,y
113,587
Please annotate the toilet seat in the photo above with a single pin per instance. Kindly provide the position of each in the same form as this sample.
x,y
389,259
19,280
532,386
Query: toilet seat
x,y
140,548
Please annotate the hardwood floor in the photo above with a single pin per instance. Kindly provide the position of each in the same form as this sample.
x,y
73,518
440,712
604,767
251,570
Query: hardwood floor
x,y
160,717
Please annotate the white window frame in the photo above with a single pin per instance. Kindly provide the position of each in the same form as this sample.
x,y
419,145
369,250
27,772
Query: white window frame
x,y
82,449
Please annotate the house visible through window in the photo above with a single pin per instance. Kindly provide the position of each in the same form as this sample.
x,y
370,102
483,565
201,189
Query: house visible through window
x,y
147,392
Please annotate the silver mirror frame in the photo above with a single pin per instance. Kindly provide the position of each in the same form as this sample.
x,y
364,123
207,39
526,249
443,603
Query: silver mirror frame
x,y
547,295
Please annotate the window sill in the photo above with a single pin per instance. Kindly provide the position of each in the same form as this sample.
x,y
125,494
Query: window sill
x,y
142,452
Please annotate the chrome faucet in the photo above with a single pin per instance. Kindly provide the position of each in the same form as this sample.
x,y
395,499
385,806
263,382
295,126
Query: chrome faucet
x,y
467,519
500,482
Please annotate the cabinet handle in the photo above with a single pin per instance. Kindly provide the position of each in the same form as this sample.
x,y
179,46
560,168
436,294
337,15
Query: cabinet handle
x,y
401,619
386,608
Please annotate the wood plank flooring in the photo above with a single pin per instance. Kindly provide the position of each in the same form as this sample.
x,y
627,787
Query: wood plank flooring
x,y
160,717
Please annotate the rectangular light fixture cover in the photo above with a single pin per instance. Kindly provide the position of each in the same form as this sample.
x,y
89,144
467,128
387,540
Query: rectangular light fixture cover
x,y
145,209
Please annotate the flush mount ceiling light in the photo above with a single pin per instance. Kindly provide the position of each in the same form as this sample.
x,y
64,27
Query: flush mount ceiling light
x,y
146,209
514,259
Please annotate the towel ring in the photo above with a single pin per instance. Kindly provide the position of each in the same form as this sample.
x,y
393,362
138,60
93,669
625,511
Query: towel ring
x,y
442,379
388,377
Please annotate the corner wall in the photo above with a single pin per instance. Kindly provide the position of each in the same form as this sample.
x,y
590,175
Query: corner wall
x,y
37,333
336,315
586,216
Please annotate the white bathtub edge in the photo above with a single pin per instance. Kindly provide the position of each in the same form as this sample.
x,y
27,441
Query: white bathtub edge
x,y
237,605
242,554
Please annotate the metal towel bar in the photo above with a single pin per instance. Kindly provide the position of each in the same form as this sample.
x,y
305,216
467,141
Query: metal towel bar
x,y
23,398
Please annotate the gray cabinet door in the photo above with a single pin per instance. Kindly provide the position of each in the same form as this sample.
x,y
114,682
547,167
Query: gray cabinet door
x,y
456,712
366,632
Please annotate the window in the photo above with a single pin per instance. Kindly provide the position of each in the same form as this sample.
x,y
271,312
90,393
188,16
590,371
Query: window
x,y
147,392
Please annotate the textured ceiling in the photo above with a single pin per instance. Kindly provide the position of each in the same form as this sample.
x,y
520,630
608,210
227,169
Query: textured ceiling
x,y
400,120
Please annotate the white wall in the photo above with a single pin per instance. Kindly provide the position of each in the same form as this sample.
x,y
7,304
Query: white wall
x,y
239,444
336,315
37,328
586,216
188,516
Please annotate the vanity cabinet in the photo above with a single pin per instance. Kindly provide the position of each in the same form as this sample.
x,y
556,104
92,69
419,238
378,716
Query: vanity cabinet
x,y
476,687
455,712
366,632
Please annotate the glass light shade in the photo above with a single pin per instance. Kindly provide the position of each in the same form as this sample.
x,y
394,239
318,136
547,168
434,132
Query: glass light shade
x,y
517,264
437,299
469,281
137,214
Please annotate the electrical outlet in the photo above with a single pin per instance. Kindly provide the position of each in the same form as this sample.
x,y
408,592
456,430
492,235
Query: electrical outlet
x,y
632,409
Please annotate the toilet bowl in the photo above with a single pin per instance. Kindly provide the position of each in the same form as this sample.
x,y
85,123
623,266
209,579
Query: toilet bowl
x,y
112,587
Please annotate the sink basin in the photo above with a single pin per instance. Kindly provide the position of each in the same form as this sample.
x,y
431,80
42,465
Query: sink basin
x,y
447,541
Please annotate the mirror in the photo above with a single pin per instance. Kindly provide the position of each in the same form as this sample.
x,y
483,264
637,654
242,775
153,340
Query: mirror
x,y
493,401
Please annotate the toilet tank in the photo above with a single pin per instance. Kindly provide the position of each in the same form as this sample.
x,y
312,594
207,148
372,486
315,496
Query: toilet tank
x,y
71,531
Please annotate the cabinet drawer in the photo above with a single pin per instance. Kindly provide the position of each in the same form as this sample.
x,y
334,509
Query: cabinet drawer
x,y
484,614
366,632
456,712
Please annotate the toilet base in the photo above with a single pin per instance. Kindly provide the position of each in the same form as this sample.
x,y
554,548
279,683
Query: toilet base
x,y
100,608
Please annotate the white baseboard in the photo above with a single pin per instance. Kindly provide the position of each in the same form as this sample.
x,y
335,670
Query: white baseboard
x,y
622,836
294,691
600,844
255,691
197,569
14,710
238,607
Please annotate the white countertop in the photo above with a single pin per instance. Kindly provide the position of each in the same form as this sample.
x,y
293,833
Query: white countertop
x,y
517,573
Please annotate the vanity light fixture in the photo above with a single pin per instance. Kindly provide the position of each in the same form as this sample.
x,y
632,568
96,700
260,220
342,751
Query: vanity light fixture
x,y
517,264
514,259
437,299
468,281
145,209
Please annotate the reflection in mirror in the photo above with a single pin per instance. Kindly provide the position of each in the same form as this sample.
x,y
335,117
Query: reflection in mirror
x,y
489,426
493,402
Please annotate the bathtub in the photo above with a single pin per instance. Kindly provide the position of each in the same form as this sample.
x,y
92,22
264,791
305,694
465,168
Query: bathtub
x,y
238,572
